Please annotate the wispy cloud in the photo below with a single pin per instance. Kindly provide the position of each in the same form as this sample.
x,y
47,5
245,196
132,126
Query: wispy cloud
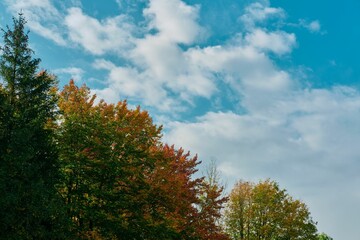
x,y
259,12
313,26
98,37
278,42
74,72
42,17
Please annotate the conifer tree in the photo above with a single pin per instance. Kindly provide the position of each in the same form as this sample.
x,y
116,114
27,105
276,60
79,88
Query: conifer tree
x,y
29,204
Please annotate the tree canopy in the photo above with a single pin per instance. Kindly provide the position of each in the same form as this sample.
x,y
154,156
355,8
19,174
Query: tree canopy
x,y
120,181
264,211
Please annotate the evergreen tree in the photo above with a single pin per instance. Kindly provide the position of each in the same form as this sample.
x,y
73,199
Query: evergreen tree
x,y
30,207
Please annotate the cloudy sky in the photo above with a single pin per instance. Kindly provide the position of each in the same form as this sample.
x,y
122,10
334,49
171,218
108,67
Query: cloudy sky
x,y
268,89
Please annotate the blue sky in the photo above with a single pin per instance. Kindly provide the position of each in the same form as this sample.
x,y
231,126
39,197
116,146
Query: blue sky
x,y
268,89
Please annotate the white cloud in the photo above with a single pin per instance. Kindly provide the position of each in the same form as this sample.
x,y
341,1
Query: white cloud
x,y
129,83
163,58
42,17
247,70
175,20
103,64
169,65
167,75
161,74
192,72
74,72
314,26
259,12
278,42
99,37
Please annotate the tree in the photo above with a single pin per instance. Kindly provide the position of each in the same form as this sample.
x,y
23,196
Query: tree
x,y
212,201
121,182
238,212
188,207
323,236
105,152
175,193
264,211
30,207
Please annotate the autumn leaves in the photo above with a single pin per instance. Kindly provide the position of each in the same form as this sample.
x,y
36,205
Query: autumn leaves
x,y
264,211
120,180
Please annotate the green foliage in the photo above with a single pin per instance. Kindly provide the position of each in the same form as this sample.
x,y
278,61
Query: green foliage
x,y
104,151
323,236
264,211
30,207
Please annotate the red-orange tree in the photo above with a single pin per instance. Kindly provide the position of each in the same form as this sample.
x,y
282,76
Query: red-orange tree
x,y
212,200
120,181
190,206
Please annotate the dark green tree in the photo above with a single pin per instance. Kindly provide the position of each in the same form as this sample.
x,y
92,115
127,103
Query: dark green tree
x,y
30,207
